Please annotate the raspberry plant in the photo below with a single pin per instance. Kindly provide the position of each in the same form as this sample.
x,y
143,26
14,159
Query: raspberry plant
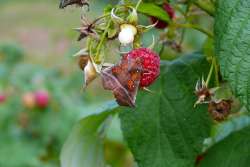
x,y
191,112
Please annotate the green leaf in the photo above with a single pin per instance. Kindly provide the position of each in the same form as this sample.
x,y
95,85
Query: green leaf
x,y
232,42
155,1
165,129
222,130
84,147
153,10
23,153
11,53
231,152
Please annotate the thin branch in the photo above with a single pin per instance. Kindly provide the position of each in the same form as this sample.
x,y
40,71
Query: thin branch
x,y
196,27
205,6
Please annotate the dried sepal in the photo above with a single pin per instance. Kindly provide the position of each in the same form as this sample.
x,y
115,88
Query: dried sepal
x,y
87,29
87,66
133,16
143,28
202,92
116,18
89,73
85,32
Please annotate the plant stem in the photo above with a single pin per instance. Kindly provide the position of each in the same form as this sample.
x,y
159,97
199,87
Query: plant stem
x,y
138,3
196,27
89,42
100,44
210,73
101,17
184,30
216,70
205,6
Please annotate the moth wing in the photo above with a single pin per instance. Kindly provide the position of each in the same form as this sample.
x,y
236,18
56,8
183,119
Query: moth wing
x,y
125,83
111,82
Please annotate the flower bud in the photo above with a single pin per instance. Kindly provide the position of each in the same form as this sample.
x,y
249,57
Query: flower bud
x,y
127,33
126,37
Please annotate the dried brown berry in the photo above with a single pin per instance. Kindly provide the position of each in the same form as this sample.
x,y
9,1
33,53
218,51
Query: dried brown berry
x,y
220,110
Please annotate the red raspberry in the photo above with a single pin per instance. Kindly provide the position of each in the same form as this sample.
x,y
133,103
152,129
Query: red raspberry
x,y
2,98
42,99
150,63
162,24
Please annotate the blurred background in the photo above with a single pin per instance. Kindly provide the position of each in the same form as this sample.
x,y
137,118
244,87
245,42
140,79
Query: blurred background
x,y
41,95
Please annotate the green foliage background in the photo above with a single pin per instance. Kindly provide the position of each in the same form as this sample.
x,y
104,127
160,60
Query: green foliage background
x,y
164,130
